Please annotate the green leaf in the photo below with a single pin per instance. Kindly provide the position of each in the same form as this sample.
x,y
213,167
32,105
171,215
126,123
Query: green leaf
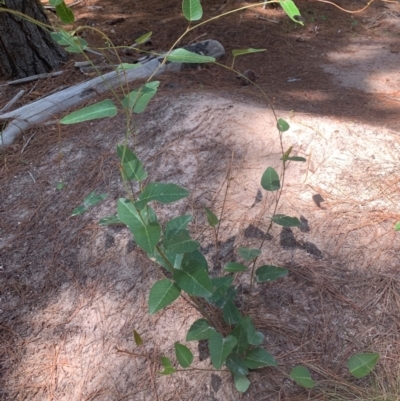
x,y
174,259
194,280
145,234
127,66
270,180
282,125
183,355
240,333
286,221
74,44
360,365
253,337
301,375
168,368
179,241
144,38
185,56
149,215
297,159
231,313
102,109
200,330
287,154
109,220
220,348
162,293
249,253
192,10
270,273
291,10
211,217
131,166
240,52
164,193
55,3
138,99
242,383
259,358
233,267
397,226
90,200
137,338
223,292
236,365
197,256
65,13
178,223
60,185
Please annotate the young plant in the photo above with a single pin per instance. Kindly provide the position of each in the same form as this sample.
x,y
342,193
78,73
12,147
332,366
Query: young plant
x,y
233,340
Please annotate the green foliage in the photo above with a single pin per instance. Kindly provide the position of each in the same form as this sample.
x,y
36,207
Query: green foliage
x,y
234,267
242,383
302,376
212,219
192,10
163,293
249,253
360,365
220,348
270,273
105,108
65,13
200,330
282,125
231,313
183,355
291,10
286,221
185,56
131,167
138,99
109,220
233,341
91,200
194,280
137,338
179,241
144,38
168,368
270,180
74,44
164,193
240,52
145,232
259,358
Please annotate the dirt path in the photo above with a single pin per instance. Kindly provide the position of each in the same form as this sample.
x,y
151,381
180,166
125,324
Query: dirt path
x,y
72,291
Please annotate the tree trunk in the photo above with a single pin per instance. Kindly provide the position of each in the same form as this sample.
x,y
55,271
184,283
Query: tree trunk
x,y
25,48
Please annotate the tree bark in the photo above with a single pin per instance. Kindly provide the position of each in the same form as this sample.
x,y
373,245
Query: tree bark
x,y
25,48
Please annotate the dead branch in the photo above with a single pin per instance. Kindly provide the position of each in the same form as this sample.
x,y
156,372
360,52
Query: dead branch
x,y
41,110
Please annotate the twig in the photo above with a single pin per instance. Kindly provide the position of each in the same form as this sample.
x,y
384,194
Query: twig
x,y
13,101
80,64
266,19
27,142
198,37
33,179
94,52
34,78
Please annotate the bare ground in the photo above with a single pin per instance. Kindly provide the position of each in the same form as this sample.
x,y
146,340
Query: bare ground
x,y
72,292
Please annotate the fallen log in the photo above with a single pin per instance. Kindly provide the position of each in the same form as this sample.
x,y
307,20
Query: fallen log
x,y
27,116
